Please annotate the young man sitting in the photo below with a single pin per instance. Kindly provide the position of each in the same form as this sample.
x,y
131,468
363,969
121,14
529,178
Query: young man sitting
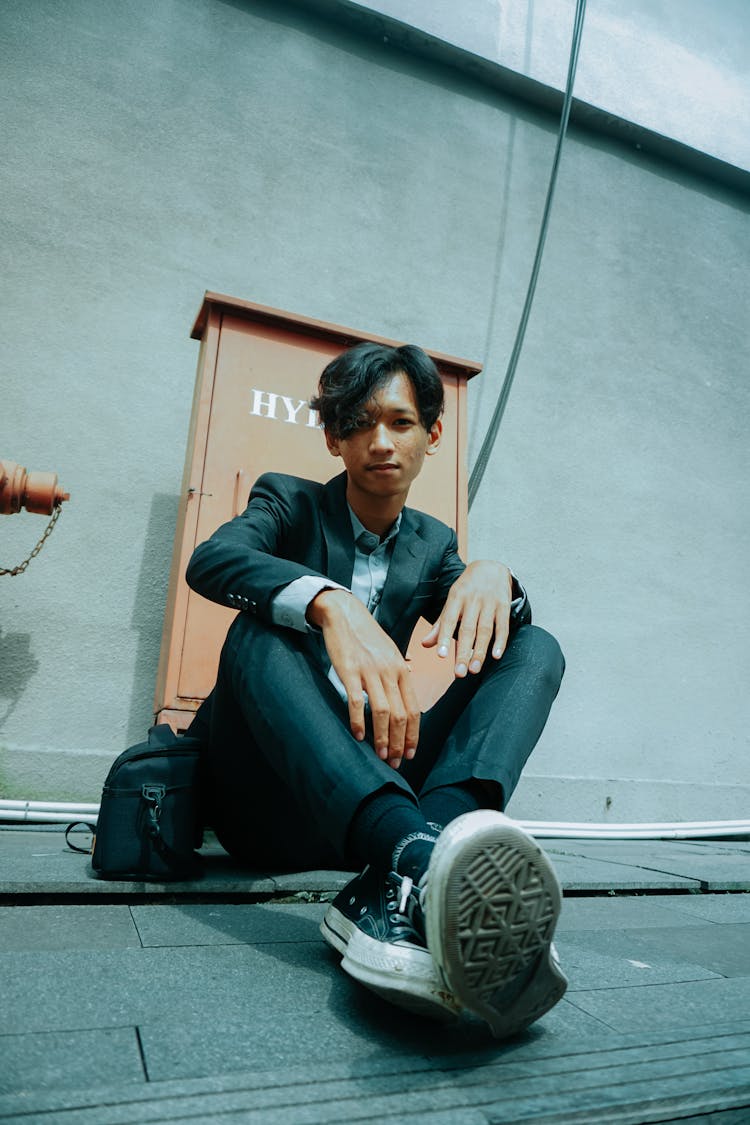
x,y
318,753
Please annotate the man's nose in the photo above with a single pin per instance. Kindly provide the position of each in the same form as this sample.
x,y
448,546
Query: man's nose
x,y
381,437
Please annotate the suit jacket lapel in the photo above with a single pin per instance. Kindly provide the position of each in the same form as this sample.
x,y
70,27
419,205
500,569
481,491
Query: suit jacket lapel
x,y
404,572
337,531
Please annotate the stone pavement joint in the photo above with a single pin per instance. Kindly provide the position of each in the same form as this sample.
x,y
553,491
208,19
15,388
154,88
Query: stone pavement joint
x,y
37,863
218,1001
694,1076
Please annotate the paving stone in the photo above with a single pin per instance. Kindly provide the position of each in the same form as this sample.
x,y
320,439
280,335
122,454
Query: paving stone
x,y
60,1060
617,959
66,927
37,862
253,986
613,912
725,873
518,1071
693,952
267,1038
722,949
583,873
717,873
633,851
669,1006
224,924
39,859
723,1117
354,1024
708,907
357,1025
280,987
608,1084
50,991
312,881
717,870
40,863
563,1025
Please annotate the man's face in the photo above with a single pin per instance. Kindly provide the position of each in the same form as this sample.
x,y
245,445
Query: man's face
x,y
385,454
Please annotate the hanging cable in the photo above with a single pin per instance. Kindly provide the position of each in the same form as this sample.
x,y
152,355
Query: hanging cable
x,y
489,439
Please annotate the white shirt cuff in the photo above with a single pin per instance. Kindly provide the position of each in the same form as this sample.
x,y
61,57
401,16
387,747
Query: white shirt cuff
x,y
289,606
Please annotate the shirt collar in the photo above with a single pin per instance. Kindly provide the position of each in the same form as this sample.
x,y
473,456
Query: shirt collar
x,y
368,540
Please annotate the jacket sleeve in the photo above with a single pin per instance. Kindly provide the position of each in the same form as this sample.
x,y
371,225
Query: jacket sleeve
x,y
247,561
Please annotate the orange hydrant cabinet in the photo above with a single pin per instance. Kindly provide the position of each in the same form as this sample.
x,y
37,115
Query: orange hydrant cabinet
x,y
257,369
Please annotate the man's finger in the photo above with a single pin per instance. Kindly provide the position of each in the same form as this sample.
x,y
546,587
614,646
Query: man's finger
x,y
380,713
465,640
485,630
396,726
446,626
356,704
502,627
413,716
429,640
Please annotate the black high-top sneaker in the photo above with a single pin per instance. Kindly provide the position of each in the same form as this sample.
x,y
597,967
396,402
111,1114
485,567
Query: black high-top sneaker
x,y
375,923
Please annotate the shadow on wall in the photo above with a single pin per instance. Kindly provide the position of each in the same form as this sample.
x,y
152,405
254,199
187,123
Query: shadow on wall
x,y
18,665
148,611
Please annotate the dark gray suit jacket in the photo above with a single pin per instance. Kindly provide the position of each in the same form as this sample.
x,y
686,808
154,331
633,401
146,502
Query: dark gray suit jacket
x,y
293,527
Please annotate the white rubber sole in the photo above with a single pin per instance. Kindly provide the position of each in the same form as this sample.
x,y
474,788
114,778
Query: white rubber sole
x,y
493,900
403,975
337,929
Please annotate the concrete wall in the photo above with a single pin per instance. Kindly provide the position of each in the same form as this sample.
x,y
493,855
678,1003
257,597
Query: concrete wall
x,y
158,150
679,69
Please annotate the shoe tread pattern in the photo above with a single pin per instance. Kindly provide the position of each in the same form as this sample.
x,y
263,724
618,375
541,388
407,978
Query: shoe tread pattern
x,y
505,917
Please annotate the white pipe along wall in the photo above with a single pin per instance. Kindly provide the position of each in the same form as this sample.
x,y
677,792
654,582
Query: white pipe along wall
x,y
58,812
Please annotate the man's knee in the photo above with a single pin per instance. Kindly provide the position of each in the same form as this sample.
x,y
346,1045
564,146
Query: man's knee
x,y
257,655
542,656
248,636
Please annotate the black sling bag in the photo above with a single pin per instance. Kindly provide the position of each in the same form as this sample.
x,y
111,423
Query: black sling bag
x,y
150,820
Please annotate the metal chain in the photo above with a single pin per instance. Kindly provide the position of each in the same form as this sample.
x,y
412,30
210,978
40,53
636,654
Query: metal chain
x,y
47,532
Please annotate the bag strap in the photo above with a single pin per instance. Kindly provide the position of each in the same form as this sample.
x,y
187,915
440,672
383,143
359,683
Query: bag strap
x,y
153,795
76,824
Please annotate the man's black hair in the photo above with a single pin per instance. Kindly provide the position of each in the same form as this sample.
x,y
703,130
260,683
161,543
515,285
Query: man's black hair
x,y
351,379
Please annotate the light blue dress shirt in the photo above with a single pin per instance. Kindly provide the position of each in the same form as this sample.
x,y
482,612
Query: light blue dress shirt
x,y
372,559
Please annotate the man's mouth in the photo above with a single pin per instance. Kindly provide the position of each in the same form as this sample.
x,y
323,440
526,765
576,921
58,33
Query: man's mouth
x,y
385,467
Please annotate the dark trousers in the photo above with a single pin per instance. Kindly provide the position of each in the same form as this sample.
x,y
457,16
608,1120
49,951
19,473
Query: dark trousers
x,y
287,776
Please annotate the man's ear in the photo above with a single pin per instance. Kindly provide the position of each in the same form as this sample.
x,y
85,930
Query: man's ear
x,y
433,438
332,443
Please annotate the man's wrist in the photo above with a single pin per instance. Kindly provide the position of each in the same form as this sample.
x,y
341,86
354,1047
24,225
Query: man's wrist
x,y
289,605
319,610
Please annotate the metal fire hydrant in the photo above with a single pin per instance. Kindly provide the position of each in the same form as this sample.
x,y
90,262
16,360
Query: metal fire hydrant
x,y
36,492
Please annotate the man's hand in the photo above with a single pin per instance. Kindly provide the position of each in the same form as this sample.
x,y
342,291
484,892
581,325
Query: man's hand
x,y
367,660
480,600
